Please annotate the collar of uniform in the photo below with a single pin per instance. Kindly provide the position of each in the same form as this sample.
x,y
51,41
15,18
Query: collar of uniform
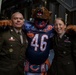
x,y
16,30
60,36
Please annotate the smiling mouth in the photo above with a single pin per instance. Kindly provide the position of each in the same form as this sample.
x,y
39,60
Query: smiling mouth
x,y
18,24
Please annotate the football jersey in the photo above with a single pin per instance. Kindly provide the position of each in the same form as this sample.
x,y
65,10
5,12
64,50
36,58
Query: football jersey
x,y
39,43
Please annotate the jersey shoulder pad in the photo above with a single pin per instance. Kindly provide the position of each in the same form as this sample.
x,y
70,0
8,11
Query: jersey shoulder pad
x,y
27,25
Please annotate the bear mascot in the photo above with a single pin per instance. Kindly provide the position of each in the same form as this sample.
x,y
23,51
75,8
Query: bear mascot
x,y
39,33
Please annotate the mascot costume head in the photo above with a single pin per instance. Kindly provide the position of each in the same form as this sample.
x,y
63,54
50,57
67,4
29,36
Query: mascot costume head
x,y
41,17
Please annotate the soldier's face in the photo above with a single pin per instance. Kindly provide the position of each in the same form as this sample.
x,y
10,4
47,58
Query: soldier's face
x,y
59,26
17,20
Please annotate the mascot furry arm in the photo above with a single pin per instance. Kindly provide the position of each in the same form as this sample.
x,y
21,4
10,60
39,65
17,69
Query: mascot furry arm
x,y
5,25
5,22
71,30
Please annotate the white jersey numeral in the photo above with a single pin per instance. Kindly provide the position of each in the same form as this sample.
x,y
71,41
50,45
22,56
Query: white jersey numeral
x,y
43,43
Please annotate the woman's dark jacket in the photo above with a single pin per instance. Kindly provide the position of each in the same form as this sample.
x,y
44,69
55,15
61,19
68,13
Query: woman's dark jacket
x,y
64,62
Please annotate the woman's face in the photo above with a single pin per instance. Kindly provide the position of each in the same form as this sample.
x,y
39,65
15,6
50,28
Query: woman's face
x,y
59,26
